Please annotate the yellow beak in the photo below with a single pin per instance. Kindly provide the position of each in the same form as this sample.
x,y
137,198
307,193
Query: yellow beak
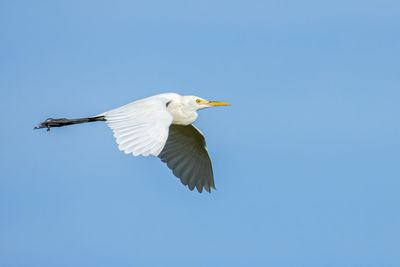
x,y
216,103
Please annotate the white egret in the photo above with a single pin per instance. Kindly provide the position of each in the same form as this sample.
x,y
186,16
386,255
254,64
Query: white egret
x,y
160,125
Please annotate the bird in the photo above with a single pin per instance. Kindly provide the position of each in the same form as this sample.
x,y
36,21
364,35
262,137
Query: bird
x,y
162,126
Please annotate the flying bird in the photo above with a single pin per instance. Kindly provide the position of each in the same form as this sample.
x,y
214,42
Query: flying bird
x,y
160,125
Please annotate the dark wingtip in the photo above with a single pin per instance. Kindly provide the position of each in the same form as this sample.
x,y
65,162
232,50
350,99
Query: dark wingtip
x,y
209,187
199,188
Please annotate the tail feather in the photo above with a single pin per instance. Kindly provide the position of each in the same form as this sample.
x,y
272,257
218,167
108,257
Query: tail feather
x,y
63,122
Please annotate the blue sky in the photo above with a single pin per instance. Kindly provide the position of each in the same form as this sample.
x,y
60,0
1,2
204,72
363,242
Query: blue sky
x,y
306,159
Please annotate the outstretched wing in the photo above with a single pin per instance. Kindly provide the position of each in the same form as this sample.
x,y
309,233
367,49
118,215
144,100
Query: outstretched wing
x,y
186,155
141,127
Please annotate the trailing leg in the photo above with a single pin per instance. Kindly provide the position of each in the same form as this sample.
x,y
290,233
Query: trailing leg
x,y
63,122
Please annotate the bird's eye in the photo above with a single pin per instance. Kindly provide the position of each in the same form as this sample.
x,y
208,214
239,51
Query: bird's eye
x,y
198,100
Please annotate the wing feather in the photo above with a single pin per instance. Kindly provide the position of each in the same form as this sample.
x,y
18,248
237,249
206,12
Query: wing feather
x,y
141,127
186,155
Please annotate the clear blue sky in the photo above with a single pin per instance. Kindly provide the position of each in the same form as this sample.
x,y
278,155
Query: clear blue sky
x,y
306,160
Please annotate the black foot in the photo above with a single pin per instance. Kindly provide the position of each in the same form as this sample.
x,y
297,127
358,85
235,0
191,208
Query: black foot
x,y
52,123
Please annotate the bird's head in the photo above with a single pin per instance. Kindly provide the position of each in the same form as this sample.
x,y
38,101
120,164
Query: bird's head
x,y
197,103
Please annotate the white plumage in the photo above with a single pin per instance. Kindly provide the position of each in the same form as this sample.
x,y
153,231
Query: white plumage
x,y
161,125
141,127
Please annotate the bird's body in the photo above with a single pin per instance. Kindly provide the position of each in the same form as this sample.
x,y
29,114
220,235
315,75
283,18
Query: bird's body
x,y
161,125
